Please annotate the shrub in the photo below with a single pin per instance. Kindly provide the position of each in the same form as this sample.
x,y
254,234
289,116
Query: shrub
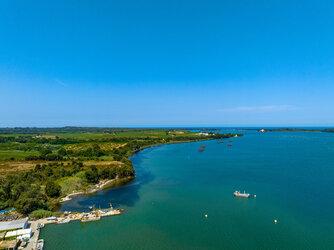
x,y
40,213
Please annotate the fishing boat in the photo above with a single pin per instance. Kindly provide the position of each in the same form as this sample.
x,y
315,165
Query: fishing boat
x,y
242,195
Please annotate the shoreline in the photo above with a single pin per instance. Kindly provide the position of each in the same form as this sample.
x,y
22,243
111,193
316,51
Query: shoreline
x,y
100,186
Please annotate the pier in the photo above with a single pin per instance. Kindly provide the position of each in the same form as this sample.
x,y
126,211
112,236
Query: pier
x,y
66,218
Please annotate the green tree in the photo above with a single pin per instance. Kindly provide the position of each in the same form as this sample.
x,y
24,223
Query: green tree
x,y
52,189
31,200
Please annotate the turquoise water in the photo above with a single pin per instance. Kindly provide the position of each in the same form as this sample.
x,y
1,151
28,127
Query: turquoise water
x,y
291,174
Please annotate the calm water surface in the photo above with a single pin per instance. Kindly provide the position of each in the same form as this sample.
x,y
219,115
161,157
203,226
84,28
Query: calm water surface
x,y
291,174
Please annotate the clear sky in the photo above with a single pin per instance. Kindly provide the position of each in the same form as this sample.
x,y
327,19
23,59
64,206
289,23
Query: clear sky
x,y
166,63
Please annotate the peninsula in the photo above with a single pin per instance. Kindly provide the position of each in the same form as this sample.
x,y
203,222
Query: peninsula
x,y
42,167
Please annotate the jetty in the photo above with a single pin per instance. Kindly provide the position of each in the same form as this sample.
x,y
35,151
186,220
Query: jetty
x,y
83,217
67,217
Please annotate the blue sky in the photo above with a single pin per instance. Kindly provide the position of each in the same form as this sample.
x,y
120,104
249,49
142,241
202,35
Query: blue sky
x,y
166,63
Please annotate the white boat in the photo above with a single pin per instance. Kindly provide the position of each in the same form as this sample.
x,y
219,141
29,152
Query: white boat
x,y
63,221
243,195
40,244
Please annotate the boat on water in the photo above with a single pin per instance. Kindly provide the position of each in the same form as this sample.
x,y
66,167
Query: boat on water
x,y
40,244
90,218
229,144
63,221
202,148
243,195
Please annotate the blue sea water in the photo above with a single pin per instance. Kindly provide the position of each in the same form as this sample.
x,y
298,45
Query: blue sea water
x,y
291,174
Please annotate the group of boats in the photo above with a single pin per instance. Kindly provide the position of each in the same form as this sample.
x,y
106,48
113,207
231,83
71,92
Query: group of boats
x,y
201,149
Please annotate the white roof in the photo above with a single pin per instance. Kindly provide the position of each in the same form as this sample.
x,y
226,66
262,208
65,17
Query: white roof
x,y
14,224
24,236
18,232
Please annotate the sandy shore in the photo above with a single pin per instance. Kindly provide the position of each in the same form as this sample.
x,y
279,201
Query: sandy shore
x,y
96,188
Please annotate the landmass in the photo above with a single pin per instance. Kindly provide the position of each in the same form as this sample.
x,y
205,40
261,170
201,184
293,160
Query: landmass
x,y
327,130
42,167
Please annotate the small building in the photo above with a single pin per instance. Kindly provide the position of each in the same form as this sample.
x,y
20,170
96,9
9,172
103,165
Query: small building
x,y
14,224
201,133
20,234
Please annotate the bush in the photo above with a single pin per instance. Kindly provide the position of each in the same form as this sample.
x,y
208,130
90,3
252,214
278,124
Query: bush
x,y
57,214
40,213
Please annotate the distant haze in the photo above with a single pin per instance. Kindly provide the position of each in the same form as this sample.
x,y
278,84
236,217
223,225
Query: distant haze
x,y
166,63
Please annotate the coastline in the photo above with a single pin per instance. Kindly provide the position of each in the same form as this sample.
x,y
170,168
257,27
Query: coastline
x,y
112,183
104,184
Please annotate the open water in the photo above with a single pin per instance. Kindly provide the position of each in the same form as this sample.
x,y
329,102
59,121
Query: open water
x,y
291,174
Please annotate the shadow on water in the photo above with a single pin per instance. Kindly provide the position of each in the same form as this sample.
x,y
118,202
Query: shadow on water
x,y
126,194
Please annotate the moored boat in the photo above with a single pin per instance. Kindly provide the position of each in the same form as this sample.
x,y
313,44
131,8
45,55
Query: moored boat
x,y
243,195
40,244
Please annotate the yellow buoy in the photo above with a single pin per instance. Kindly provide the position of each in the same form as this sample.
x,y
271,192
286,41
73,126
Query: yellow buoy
x,y
254,195
275,221
206,216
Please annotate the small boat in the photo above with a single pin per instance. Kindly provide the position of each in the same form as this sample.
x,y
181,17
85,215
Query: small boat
x,y
90,207
40,244
63,221
229,144
243,195
201,148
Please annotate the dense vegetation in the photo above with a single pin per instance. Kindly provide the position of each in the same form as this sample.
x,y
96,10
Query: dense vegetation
x,y
53,162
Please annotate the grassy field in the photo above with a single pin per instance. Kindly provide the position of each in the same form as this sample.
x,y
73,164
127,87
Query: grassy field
x,y
17,155
13,153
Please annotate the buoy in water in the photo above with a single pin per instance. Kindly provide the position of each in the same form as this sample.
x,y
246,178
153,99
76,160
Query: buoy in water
x,y
275,221
206,216
254,195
